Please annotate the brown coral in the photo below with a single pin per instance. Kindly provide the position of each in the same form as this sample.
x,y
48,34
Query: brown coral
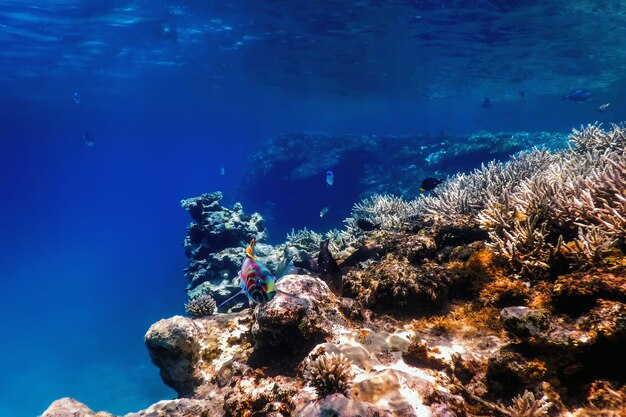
x,y
422,356
265,399
527,405
329,373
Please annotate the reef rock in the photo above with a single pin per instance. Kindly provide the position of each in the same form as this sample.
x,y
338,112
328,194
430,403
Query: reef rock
x,y
174,346
302,315
574,293
339,406
69,407
179,408
574,350
215,245
398,285
525,322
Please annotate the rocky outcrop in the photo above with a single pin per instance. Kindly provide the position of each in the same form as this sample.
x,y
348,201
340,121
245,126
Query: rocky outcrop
x,y
69,407
340,406
179,408
174,345
303,314
215,245
583,343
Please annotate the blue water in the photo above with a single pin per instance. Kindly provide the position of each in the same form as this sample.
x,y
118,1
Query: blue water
x,y
90,243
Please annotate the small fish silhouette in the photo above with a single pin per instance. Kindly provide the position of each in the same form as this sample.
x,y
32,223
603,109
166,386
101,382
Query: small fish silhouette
x,y
578,95
88,140
330,178
430,183
602,108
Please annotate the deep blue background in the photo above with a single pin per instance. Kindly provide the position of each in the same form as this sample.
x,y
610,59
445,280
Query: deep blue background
x,y
90,238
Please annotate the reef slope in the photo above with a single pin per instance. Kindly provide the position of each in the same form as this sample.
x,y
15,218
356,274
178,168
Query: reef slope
x,y
503,295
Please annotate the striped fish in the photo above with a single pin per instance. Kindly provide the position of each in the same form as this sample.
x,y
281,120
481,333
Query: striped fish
x,y
257,282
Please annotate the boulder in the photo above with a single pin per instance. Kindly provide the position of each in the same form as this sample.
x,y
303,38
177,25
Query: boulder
x,y
69,407
184,407
302,314
174,346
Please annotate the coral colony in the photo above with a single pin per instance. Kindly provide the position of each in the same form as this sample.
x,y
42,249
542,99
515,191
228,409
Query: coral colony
x,y
502,294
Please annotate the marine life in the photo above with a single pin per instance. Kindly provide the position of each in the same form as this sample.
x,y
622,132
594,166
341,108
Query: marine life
x,y
308,264
430,183
330,178
201,305
326,267
323,211
522,93
362,254
578,95
486,103
89,140
366,225
603,107
257,282
222,171
76,98
329,270
329,373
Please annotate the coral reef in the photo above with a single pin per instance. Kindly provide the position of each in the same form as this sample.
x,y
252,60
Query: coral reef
x,y
329,373
502,294
527,405
214,239
215,245
364,166
201,305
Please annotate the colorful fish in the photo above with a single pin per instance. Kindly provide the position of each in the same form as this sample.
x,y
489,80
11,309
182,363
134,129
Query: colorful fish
x,y
257,282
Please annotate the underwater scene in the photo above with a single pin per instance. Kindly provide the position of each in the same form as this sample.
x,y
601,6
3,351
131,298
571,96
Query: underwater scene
x,y
365,208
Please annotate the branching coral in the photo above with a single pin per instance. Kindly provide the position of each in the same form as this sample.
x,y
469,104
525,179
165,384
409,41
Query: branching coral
x,y
304,239
466,194
543,210
308,241
593,137
526,405
329,373
575,208
201,305
385,211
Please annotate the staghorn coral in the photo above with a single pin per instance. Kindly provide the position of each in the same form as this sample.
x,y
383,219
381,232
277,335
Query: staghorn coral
x,y
304,239
572,211
593,137
329,373
386,211
305,243
201,305
465,194
526,405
